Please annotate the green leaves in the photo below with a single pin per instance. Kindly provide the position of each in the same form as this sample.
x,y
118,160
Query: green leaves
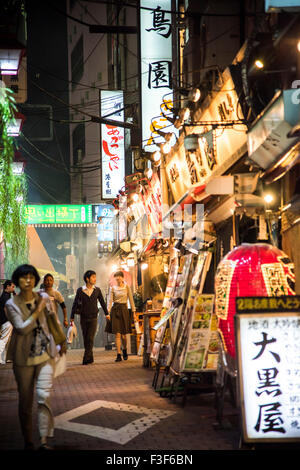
x,y
13,191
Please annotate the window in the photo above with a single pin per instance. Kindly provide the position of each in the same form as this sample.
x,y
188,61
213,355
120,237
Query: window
x,y
77,62
78,140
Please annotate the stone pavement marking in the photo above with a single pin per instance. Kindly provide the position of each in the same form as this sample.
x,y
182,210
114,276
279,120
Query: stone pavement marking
x,y
120,436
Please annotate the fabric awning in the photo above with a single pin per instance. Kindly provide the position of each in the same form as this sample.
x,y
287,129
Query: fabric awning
x,y
195,194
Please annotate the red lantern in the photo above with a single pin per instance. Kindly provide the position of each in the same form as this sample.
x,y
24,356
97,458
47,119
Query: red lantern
x,y
250,270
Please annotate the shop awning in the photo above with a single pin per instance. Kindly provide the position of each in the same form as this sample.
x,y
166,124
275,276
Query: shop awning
x,y
195,194
291,158
149,245
268,139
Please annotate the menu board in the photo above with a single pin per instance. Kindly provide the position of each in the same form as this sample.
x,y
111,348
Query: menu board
x,y
169,294
181,288
196,287
202,347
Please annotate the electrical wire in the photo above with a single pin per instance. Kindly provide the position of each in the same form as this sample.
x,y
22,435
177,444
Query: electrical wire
x,y
42,189
52,160
133,53
60,152
73,171
96,119
41,162
138,7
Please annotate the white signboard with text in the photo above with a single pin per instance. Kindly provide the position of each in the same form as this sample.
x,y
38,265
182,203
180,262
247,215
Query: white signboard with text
x,y
268,346
112,144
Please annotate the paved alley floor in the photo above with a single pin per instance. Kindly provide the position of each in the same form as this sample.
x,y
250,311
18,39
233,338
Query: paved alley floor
x,y
113,406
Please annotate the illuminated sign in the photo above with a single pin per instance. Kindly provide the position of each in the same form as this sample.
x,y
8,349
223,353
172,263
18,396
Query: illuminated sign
x,y
269,369
156,70
152,202
104,217
112,144
272,6
217,149
58,214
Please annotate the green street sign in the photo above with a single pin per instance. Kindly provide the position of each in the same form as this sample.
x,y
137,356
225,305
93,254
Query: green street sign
x,y
58,214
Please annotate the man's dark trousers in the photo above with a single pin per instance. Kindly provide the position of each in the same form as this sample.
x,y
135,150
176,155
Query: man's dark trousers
x,y
89,328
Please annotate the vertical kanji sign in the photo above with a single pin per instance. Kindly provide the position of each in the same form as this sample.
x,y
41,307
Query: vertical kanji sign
x,y
112,144
156,70
268,345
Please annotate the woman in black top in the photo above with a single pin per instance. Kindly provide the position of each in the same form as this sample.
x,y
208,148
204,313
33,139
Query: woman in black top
x,y
86,305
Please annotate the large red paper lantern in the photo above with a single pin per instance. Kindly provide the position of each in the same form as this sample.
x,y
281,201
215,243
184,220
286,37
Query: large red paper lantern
x,y
250,270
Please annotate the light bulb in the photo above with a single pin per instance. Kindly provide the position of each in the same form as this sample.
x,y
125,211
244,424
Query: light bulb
x,y
259,64
195,95
268,198
166,147
148,173
184,113
156,156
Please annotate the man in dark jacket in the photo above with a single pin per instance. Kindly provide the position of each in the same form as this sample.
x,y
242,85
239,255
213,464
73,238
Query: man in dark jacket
x,y
86,305
5,325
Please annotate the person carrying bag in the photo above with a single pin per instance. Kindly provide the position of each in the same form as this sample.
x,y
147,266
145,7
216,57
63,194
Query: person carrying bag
x,y
33,351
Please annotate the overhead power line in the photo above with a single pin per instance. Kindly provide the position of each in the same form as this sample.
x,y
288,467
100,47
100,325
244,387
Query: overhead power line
x,y
97,119
151,9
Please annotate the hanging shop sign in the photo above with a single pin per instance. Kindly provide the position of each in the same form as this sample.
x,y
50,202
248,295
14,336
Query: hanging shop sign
x,y
58,214
267,138
151,197
103,215
268,369
112,144
122,218
212,151
156,70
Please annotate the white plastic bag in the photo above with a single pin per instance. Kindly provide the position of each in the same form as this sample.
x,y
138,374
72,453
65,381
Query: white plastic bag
x,y
72,333
60,364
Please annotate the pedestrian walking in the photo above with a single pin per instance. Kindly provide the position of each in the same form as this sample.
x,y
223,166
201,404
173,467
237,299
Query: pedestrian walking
x,y
119,319
55,297
32,350
5,326
86,305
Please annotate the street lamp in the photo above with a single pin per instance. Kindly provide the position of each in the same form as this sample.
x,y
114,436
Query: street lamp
x,y
10,61
14,127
